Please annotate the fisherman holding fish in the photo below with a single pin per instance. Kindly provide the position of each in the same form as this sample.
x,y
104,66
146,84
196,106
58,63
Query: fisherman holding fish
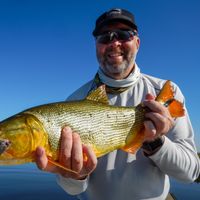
x,y
169,148
162,147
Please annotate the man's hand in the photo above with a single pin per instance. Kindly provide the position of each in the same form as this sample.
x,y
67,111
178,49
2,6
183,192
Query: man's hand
x,y
160,120
71,156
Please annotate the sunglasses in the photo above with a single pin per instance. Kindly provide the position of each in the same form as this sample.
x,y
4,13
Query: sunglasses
x,y
121,35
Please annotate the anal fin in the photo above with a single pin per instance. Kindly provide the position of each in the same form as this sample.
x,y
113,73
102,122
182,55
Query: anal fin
x,y
135,143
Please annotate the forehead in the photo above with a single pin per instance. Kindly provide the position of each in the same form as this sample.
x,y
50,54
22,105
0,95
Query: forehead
x,y
113,26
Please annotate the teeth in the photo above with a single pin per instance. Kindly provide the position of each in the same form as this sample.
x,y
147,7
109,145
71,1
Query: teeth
x,y
115,54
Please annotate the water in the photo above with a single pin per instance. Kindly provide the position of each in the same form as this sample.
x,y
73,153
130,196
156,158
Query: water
x,y
26,182
184,191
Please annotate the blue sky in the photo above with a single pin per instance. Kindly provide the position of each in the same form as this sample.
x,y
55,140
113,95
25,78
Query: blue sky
x,y
47,50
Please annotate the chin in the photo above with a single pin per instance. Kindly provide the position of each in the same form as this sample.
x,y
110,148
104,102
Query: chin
x,y
116,69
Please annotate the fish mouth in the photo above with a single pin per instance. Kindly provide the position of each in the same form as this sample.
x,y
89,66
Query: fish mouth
x,y
4,145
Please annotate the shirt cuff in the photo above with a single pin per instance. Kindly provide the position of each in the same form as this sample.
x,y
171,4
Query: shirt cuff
x,y
162,150
72,186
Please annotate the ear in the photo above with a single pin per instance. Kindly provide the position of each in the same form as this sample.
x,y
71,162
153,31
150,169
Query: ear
x,y
137,42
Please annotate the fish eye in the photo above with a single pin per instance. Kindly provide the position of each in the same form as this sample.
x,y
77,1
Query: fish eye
x,y
4,145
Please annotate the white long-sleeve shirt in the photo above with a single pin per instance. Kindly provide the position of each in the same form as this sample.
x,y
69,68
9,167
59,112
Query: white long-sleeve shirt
x,y
123,176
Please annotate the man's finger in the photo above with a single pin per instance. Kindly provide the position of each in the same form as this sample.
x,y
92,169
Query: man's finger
x,y
91,162
41,159
149,97
66,147
155,106
77,153
150,130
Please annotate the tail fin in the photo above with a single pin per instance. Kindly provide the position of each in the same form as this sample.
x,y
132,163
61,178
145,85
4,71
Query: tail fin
x,y
166,97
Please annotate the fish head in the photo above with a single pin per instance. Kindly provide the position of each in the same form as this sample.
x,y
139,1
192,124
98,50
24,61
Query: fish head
x,y
17,137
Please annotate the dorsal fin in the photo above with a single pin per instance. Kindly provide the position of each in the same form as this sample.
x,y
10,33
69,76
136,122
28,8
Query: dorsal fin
x,y
98,95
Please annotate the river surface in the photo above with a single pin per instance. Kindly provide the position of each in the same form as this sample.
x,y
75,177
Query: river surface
x,y
26,182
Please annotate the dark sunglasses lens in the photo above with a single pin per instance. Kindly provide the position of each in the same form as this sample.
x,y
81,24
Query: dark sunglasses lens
x,y
104,39
118,34
123,35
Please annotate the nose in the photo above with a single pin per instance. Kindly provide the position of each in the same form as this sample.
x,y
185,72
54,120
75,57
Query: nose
x,y
114,42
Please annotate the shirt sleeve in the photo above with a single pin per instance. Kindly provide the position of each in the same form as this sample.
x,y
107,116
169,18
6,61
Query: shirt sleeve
x,y
72,186
178,156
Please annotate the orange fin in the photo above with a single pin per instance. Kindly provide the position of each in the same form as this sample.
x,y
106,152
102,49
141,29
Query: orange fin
x,y
166,97
132,149
134,143
99,95
61,166
166,93
176,109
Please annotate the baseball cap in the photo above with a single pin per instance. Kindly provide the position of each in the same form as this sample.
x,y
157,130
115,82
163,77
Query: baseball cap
x,y
115,15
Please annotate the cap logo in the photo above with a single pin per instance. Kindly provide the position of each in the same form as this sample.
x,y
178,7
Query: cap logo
x,y
114,12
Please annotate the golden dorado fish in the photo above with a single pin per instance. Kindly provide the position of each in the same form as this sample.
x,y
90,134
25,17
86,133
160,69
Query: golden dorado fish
x,y
103,127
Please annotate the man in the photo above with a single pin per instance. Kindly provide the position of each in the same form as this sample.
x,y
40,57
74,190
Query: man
x,y
169,149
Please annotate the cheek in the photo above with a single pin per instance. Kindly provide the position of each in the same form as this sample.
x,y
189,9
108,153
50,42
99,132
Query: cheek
x,y
130,47
100,51
100,48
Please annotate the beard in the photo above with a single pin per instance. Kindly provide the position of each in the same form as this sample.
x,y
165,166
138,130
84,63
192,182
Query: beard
x,y
112,66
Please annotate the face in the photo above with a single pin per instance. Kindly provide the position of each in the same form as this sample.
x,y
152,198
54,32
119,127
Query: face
x,y
117,58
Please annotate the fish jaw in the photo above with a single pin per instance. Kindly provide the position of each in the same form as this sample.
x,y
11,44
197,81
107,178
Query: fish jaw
x,y
24,133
